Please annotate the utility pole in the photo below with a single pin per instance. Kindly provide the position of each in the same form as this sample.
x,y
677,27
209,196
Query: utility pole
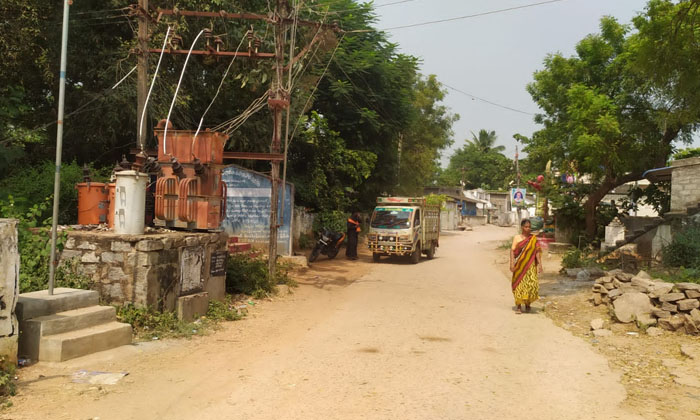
x,y
142,78
59,143
278,101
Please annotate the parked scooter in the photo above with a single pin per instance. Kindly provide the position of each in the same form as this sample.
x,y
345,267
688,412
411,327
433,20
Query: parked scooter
x,y
328,244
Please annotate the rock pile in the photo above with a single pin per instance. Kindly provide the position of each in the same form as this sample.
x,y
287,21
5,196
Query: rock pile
x,y
647,301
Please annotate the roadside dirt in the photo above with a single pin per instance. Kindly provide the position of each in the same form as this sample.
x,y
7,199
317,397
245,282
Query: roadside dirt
x,y
392,340
647,364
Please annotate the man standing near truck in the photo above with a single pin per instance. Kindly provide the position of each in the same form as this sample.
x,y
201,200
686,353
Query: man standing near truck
x,y
353,232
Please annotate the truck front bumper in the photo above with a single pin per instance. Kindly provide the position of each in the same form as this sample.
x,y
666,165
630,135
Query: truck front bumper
x,y
391,248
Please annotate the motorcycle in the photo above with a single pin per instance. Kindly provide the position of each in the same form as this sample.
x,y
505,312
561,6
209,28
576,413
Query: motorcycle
x,y
328,244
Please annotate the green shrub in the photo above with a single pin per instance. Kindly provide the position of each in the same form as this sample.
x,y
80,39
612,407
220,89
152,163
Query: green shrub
x,y
29,186
7,379
68,275
684,250
572,258
34,242
248,274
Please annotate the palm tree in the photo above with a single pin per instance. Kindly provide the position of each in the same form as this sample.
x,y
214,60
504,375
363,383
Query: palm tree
x,y
485,142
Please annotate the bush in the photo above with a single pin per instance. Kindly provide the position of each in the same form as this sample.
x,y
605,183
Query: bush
x,y
28,185
34,242
684,250
248,274
572,259
7,377
334,220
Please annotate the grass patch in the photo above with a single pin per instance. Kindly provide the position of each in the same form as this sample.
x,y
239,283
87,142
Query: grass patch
x,y
677,275
150,324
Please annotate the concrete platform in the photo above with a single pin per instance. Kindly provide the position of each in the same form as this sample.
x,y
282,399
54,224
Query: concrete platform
x,y
35,304
69,345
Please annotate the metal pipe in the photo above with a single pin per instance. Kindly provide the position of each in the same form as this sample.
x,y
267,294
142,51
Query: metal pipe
x,y
59,143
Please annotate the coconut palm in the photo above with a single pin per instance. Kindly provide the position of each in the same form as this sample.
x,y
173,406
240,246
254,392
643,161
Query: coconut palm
x,y
485,142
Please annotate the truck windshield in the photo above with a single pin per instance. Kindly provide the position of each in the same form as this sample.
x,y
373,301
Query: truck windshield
x,y
391,218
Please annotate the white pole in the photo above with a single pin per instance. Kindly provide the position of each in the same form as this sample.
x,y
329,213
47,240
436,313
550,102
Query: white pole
x,y
59,142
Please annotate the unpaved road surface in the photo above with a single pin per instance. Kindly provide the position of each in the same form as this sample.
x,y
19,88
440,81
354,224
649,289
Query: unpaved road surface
x,y
356,340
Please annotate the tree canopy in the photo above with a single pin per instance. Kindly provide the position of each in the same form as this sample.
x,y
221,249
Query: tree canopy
x,y
479,164
352,89
603,115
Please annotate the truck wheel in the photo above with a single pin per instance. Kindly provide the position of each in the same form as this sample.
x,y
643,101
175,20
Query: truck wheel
x,y
376,256
431,251
415,257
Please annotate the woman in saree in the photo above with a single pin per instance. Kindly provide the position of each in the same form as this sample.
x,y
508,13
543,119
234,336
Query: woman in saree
x,y
525,264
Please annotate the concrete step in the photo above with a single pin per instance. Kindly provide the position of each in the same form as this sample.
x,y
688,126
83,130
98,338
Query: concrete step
x,y
69,345
74,319
35,304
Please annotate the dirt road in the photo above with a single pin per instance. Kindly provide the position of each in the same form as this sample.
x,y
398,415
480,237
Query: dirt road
x,y
437,340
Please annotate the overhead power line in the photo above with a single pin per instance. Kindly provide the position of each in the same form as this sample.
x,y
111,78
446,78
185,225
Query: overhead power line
x,y
487,101
470,16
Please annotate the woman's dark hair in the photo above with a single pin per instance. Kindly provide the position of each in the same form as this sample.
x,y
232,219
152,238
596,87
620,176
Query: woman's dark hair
x,y
522,222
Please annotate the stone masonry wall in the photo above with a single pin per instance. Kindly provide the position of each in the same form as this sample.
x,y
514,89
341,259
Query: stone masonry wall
x,y
685,184
9,289
150,269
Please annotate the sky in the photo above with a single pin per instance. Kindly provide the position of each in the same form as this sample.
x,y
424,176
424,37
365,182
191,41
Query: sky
x,y
493,57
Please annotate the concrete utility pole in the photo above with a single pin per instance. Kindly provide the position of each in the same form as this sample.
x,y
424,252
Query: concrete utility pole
x,y
278,101
142,78
59,143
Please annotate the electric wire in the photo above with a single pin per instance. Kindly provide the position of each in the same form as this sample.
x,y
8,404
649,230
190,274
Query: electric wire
x,y
201,120
491,12
153,82
487,101
177,89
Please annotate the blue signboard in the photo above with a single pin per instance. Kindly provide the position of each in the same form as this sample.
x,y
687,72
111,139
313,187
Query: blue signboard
x,y
248,208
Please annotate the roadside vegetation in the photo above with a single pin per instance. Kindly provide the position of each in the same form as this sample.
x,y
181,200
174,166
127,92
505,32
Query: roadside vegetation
x,y
148,323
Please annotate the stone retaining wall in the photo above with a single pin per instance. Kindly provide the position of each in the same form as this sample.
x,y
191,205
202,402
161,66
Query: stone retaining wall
x,y
647,301
150,269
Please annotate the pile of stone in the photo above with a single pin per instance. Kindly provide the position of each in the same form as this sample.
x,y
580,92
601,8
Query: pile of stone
x,y
646,301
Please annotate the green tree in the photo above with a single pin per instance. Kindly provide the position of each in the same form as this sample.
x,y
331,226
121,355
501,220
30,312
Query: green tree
x,y
326,174
368,94
478,164
486,141
429,132
599,119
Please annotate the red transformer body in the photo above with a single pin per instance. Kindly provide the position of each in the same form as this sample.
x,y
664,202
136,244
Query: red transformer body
x,y
190,193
